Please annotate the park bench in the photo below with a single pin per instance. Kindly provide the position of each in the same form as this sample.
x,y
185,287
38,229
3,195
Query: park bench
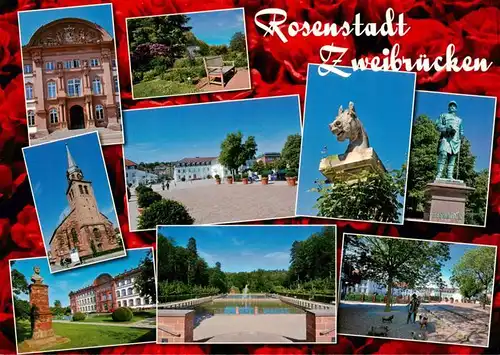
x,y
215,69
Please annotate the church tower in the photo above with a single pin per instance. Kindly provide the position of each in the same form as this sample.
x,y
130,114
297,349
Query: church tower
x,y
80,193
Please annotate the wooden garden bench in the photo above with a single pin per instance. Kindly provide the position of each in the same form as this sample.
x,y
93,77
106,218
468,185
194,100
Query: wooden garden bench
x,y
215,69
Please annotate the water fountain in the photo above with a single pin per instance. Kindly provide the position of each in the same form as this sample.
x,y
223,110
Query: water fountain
x,y
245,291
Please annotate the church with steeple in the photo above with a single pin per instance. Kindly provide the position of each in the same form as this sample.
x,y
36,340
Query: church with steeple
x,y
85,229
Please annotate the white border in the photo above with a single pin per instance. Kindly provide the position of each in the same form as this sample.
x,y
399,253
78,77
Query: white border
x,y
92,347
291,226
214,103
194,93
489,166
110,191
420,240
407,159
119,103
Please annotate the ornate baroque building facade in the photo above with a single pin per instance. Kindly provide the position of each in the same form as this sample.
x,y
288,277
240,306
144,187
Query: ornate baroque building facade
x,y
85,229
71,78
107,293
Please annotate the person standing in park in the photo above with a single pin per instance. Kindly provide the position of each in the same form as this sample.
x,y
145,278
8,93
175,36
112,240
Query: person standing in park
x,y
413,308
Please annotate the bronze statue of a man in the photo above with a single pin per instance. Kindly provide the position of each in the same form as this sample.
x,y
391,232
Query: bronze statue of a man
x,y
451,129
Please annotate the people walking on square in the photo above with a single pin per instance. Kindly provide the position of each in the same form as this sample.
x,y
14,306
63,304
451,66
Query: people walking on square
x,y
413,308
168,185
163,185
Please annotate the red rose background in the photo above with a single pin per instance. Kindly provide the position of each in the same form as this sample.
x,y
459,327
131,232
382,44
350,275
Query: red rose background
x,y
277,68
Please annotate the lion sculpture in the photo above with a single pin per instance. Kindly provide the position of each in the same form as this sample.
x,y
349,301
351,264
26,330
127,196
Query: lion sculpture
x,y
348,126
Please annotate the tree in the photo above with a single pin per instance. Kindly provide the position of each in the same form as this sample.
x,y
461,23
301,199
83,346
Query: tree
x,y
57,303
192,261
234,153
145,282
238,42
475,271
291,151
218,278
422,170
368,196
441,285
398,261
19,283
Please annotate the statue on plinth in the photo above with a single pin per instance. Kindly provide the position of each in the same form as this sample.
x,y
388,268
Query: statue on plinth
x,y
451,129
359,155
36,278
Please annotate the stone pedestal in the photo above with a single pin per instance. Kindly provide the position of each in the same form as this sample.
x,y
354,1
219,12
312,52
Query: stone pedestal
x,y
447,201
175,326
346,167
321,326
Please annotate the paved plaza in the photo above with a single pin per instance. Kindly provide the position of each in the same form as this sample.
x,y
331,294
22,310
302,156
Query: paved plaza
x,y
449,323
106,136
209,203
260,328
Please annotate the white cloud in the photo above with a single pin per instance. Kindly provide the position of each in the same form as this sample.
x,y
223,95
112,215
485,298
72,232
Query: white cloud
x,y
63,214
209,258
37,189
281,255
237,242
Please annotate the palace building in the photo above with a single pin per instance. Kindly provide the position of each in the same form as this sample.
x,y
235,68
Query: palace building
x,y
71,78
108,293
85,229
199,168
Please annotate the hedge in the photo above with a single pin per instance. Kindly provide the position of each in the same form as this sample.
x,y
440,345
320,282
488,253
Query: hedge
x,y
122,314
79,316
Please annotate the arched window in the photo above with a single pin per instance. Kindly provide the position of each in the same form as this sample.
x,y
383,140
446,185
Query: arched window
x,y
81,189
51,89
130,302
129,291
31,118
119,304
124,293
53,115
86,190
99,112
29,92
137,301
97,233
74,236
117,293
74,87
96,86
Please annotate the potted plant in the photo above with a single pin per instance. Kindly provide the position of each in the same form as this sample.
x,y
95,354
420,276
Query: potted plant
x,y
217,179
291,177
244,178
229,179
265,177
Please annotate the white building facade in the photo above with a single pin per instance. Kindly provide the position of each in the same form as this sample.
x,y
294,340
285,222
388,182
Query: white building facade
x,y
86,302
199,168
128,296
137,177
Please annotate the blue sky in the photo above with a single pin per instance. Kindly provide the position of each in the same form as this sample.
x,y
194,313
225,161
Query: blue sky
x,y
62,283
477,114
176,132
47,165
31,21
383,102
243,248
217,27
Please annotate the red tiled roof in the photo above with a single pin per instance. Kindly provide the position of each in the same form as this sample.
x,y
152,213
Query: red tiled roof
x,y
129,163
197,160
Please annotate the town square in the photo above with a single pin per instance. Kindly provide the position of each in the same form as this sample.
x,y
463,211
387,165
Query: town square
x,y
229,169
111,303
416,290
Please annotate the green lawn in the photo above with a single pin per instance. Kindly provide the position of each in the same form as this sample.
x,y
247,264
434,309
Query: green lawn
x,y
82,335
138,316
159,87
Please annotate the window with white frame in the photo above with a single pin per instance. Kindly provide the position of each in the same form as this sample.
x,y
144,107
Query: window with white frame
x,y
73,63
99,112
74,87
51,89
129,291
96,86
49,66
31,118
28,69
29,92
94,62
53,115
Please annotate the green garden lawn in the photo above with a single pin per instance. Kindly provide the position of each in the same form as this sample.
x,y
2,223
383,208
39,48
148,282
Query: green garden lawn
x,y
82,335
138,316
159,87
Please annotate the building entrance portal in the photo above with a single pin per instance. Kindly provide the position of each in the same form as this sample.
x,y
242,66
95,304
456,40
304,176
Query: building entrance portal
x,y
76,117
